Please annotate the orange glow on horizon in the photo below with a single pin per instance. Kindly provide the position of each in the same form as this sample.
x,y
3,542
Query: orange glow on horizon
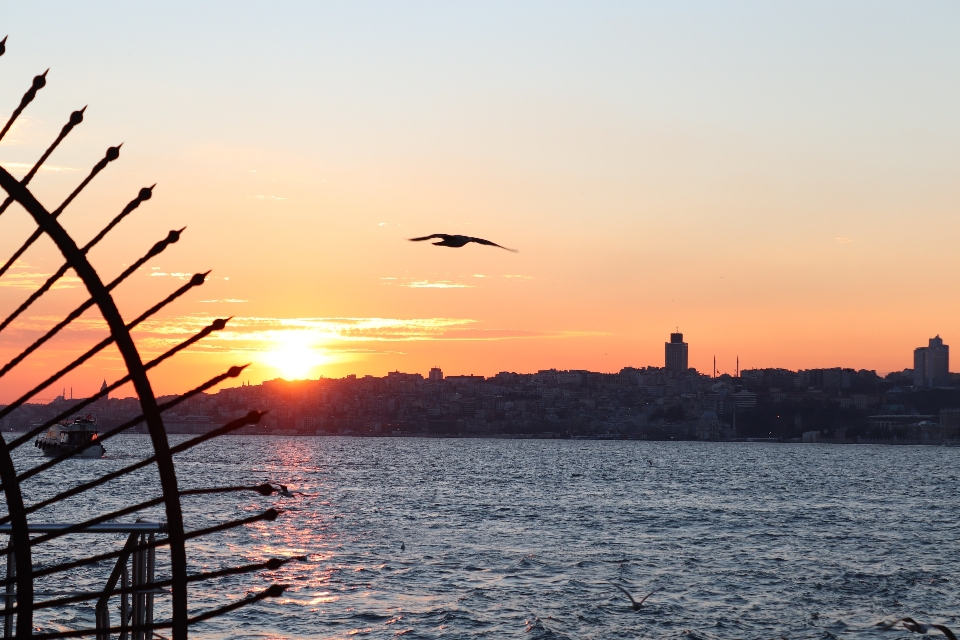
x,y
656,166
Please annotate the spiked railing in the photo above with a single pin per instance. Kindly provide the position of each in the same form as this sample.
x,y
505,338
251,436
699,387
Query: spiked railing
x,y
20,602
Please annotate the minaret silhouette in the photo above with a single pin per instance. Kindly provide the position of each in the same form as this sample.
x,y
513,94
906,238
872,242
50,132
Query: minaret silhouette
x,y
103,389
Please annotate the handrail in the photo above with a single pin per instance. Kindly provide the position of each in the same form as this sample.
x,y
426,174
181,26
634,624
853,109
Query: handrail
x,y
106,527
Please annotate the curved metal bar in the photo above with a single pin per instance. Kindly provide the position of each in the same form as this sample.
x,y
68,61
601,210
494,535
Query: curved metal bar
x,y
112,154
92,352
148,403
251,418
52,280
216,325
172,237
106,435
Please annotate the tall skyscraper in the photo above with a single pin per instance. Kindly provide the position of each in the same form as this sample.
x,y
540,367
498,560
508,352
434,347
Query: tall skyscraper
x,y
436,375
675,354
931,364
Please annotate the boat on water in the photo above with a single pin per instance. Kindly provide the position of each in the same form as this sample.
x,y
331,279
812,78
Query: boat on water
x,y
80,437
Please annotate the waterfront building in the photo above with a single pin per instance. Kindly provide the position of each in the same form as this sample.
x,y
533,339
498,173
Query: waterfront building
x,y
708,426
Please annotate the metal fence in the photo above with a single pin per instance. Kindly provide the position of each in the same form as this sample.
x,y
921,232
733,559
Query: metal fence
x,y
21,603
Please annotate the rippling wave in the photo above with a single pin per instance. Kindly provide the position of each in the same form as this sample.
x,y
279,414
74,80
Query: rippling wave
x,y
510,538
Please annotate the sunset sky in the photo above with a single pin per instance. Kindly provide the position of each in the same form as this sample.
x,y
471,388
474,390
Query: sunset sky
x,y
781,181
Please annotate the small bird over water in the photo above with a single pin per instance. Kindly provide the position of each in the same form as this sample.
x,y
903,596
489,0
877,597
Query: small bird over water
x,y
918,627
633,603
456,242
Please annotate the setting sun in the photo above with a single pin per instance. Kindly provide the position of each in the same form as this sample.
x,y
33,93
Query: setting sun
x,y
294,355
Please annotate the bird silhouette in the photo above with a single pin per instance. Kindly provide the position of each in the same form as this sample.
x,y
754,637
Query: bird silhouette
x,y
918,627
633,603
286,493
402,546
456,241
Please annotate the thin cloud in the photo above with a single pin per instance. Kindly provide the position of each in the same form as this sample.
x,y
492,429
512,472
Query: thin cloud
x,y
20,132
256,332
232,300
440,284
843,240
20,168
176,274
19,277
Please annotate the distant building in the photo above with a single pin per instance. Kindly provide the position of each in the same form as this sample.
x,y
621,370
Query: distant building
x,y
436,375
931,365
950,423
745,399
708,426
676,354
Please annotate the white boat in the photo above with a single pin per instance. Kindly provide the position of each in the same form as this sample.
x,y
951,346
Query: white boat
x,y
80,437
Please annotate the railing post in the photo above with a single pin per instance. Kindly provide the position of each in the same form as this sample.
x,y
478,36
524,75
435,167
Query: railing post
x,y
124,608
151,564
10,594
135,573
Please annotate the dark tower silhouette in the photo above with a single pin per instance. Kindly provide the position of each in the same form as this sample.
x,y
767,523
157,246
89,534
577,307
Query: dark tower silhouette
x,y
675,354
931,364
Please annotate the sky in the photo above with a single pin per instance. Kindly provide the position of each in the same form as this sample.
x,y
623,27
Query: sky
x,y
777,180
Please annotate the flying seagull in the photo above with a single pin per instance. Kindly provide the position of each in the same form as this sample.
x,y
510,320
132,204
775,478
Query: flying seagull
x,y
633,603
286,493
456,242
918,627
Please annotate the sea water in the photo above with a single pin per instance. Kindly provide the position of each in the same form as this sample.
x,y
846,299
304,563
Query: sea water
x,y
462,538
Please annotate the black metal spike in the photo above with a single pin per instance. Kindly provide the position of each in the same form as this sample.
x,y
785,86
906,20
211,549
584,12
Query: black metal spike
x,y
76,313
233,372
127,210
270,565
112,154
100,294
38,83
119,513
64,268
268,515
75,118
274,591
251,418
216,325
93,351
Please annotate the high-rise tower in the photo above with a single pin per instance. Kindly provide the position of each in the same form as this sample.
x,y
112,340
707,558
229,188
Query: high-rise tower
x,y
931,364
675,354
